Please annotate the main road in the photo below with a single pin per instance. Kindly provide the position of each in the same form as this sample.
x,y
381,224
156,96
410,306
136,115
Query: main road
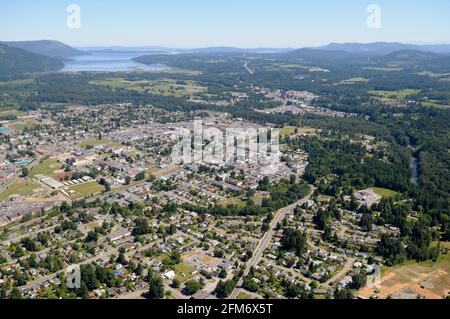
x,y
266,239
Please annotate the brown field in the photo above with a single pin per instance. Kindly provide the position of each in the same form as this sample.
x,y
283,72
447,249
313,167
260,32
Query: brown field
x,y
159,172
427,279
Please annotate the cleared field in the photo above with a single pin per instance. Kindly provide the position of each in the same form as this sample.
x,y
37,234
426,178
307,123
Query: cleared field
x,y
434,75
17,82
384,192
11,112
258,198
182,71
159,172
184,271
47,167
354,81
291,130
20,188
401,94
386,69
284,67
85,190
99,142
430,280
231,201
20,126
166,87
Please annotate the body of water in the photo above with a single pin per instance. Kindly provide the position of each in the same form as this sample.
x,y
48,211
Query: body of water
x,y
110,62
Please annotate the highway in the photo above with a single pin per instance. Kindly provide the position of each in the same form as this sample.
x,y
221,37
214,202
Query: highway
x,y
248,68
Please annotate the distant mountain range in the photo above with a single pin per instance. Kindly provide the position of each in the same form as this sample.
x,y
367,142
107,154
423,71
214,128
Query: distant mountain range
x,y
383,48
56,49
117,48
48,48
210,50
19,58
363,49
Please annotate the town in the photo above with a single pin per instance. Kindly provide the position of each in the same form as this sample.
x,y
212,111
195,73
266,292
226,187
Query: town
x,y
96,187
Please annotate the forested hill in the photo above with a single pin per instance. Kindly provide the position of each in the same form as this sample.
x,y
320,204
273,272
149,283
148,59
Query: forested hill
x,y
48,48
16,62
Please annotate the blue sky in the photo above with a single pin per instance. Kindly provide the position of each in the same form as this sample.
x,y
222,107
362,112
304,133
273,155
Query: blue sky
x,y
243,23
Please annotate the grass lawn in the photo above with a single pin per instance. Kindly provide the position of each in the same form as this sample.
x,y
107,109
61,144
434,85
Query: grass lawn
x,y
99,142
231,201
20,188
258,198
242,295
20,126
184,269
85,190
47,167
384,192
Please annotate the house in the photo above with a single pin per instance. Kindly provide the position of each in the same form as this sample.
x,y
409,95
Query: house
x,y
347,280
170,275
119,235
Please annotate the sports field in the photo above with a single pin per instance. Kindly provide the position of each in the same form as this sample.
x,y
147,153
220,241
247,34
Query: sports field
x,y
46,167
99,142
85,190
20,188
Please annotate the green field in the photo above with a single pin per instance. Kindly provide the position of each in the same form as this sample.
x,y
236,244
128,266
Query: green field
x,y
47,167
284,67
184,269
242,295
354,81
182,71
287,131
401,94
384,192
290,130
85,190
258,198
17,82
19,188
11,112
99,142
231,201
163,86
20,126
